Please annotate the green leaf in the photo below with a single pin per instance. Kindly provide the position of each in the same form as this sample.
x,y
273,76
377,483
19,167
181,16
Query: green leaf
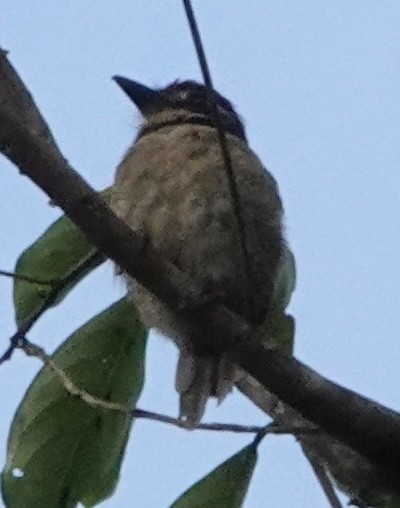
x,y
281,328
285,281
62,451
225,487
61,249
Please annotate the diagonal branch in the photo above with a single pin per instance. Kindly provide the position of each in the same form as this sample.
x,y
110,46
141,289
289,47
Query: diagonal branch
x,y
330,459
56,288
368,427
26,278
226,156
322,477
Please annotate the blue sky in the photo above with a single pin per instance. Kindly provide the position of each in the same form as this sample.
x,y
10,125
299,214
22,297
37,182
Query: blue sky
x,y
318,85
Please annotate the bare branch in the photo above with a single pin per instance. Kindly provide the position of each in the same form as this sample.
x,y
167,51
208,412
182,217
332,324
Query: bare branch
x,y
322,477
32,349
351,472
57,287
368,427
26,278
226,156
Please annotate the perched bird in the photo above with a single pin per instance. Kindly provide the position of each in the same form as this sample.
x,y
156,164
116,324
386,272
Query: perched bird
x,y
172,186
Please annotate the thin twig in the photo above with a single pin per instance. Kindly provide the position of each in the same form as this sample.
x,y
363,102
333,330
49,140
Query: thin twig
x,y
56,289
233,186
26,278
227,427
218,427
284,416
32,349
322,477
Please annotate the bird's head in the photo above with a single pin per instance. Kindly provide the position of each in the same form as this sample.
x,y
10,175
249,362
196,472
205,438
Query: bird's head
x,y
185,100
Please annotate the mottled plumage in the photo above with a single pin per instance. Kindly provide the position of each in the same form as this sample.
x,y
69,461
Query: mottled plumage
x,y
173,187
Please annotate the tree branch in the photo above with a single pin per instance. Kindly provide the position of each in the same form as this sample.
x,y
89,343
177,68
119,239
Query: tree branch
x,y
323,478
56,288
369,428
361,480
26,278
31,349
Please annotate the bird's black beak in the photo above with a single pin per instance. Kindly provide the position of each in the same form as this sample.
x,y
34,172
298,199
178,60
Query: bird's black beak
x,y
145,98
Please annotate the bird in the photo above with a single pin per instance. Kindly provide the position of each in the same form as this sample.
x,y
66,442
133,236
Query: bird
x,y
172,186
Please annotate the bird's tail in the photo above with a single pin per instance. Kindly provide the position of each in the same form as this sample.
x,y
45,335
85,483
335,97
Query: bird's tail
x,y
197,379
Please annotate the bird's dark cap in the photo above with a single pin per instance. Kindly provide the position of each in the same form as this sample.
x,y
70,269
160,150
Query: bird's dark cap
x,y
144,97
